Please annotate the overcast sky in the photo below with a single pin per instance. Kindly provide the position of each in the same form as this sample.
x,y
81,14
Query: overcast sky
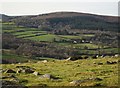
x,y
35,7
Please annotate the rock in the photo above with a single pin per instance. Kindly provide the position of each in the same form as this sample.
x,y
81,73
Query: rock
x,y
11,76
39,62
94,57
2,70
78,82
23,67
86,57
19,63
19,71
75,82
27,70
12,64
100,63
102,56
10,71
74,58
117,55
68,59
11,84
118,61
97,56
48,76
98,79
15,80
44,61
29,61
94,62
36,73
111,62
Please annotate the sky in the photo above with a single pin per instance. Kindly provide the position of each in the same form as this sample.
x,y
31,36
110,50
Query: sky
x,y
35,7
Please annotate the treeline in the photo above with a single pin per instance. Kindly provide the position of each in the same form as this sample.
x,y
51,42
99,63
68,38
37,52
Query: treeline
x,y
35,49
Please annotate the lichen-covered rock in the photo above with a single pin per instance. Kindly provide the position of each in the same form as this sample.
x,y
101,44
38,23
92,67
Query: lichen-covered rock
x,y
48,76
19,71
36,73
75,82
27,70
44,61
111,62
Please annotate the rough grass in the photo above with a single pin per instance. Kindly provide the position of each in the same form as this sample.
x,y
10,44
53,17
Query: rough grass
x,y
68,71
14,57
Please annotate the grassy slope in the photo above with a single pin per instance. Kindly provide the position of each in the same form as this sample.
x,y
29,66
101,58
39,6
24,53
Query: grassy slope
x,y
48,37
69,71
14,57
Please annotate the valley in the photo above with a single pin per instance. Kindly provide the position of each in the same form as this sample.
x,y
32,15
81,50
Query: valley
x,y
60,49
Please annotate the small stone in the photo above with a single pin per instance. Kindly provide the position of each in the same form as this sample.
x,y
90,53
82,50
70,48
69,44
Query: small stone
x,y
2,70
19,63
111,62
100,63
44,61
48,76
68,59
19,71
36,73
75,82
27,71
117,55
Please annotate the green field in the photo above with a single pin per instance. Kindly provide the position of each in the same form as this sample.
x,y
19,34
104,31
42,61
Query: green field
x,y
36,34
70,36
76,37
48,37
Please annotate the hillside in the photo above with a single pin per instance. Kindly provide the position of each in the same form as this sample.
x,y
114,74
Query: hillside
x,y
61,19
73,14
93,73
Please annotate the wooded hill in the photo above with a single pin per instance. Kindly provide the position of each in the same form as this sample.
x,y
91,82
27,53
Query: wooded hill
x,y
71,20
